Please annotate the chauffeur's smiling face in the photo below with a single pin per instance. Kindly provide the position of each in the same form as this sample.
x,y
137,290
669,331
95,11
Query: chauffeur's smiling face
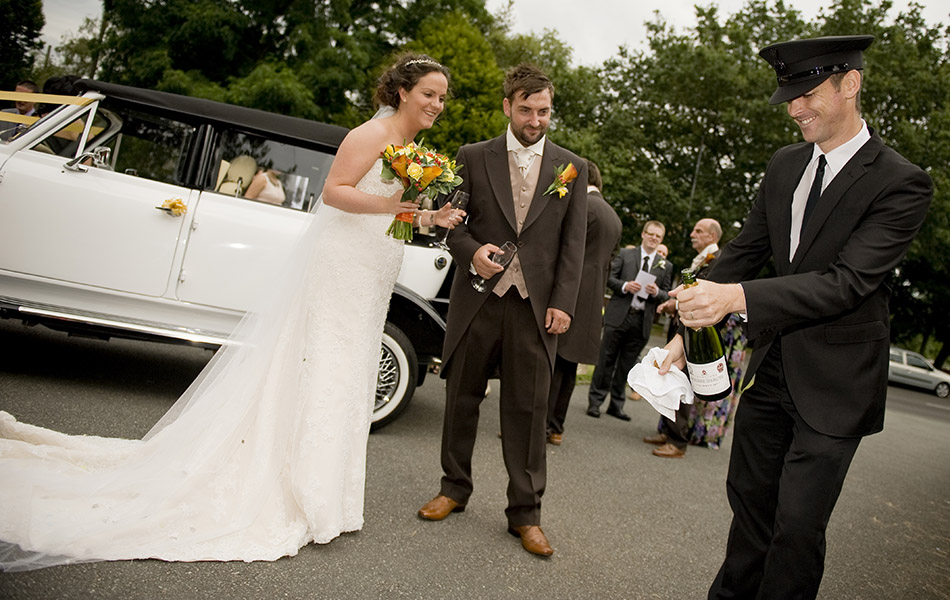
x,y
827,114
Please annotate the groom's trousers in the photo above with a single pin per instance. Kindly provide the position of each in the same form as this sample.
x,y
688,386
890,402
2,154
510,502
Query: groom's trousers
x,y
505,336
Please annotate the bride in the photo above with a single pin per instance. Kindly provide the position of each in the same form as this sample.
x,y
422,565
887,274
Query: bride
x,y
266,450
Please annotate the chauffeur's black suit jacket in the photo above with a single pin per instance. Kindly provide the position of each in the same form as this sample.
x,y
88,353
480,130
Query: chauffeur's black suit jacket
x,y
830,303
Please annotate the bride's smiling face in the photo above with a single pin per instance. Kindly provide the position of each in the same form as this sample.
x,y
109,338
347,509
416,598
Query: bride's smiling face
x,y
426,100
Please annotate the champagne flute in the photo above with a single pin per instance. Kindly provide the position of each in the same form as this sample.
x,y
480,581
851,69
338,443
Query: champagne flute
x,y
502,257
459,202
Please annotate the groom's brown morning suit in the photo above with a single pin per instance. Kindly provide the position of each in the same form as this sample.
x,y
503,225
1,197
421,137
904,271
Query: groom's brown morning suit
x,y
504,327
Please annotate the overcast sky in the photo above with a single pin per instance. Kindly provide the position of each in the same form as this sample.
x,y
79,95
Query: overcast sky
x,y
595,34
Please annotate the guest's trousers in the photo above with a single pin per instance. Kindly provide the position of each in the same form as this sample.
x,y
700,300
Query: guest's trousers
x,y
619,350
562,387
784,480
505,336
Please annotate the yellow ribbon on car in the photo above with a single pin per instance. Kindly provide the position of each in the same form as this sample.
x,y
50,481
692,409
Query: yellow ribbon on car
x,y
37,98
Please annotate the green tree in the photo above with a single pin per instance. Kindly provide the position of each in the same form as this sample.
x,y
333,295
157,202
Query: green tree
x,y
474,111
23,21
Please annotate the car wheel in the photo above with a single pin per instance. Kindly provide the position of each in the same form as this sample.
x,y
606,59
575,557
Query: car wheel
x,y
396,379
942,390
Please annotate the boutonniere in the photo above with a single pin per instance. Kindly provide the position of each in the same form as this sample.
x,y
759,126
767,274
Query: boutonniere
x,y
706,260
660,264
563,175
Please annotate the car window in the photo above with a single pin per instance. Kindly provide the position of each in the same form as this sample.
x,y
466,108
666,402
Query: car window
x,y
916,361
65,140
896,357
144,145
258,169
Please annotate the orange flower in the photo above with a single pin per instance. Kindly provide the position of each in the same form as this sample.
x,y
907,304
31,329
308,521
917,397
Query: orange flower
x,y
563,175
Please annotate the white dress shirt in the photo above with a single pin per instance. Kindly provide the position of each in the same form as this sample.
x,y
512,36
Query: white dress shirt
x,y
836,160
524,155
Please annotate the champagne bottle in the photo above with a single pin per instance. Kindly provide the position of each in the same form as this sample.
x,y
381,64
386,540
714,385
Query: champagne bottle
x,y
705,358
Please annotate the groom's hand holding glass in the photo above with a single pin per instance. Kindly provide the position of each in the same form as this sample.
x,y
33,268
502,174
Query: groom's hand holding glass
x,y
483,263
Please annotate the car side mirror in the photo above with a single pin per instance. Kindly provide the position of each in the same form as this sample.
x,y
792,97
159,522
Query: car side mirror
x,y
99,157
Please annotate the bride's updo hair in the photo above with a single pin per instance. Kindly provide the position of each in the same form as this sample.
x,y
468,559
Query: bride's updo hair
x,y
405,74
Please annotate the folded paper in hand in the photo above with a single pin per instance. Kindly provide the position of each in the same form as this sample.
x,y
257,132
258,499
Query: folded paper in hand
x,y
665,393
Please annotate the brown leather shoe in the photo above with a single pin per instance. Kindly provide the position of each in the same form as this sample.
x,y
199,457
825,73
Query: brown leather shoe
x,y
658,439
669,451
439,507
554,439
532,539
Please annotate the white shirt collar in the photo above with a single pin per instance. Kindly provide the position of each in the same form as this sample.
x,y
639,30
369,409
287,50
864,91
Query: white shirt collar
x,y
708,250
514,144
840,156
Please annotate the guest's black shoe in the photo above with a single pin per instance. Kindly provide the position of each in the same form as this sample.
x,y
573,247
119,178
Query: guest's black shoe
x,y
618,414
593,412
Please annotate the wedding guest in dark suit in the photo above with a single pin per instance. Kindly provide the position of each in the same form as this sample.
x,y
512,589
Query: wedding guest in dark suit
x,y
513,327
628,318
581,343
836,213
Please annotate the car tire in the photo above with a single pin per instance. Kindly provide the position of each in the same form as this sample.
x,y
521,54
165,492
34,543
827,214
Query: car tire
x,y
396,378
942,390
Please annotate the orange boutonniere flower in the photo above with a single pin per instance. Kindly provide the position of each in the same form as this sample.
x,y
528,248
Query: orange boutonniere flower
x,y
563,175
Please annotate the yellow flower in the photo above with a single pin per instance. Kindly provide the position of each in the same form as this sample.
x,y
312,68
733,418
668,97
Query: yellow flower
x,y
175,207
561,191
415,171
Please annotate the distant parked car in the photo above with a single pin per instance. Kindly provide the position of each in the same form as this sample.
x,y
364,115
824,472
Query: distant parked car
x,y
84,250
913,369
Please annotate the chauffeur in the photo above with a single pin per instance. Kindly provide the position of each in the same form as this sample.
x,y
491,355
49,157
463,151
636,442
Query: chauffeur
x,y
837,213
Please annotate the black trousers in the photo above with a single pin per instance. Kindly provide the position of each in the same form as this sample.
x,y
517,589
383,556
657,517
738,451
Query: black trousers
x,y
619,351
559,399
503,335
784,480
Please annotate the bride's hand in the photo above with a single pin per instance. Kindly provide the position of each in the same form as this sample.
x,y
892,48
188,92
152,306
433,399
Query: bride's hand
x,y
448,217
393,205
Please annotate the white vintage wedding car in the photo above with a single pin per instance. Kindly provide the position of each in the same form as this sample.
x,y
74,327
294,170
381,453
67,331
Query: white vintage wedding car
x,y
84,250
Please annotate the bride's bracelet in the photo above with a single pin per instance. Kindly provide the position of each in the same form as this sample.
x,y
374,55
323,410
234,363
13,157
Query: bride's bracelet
x,y
423,213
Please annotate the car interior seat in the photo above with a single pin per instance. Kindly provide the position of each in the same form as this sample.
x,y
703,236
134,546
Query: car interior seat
x,y
237,175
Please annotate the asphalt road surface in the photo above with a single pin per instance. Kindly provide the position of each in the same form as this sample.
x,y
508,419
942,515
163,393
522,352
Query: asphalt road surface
x,y
624,524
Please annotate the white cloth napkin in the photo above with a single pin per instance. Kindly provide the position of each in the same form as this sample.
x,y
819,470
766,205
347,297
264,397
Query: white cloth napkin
x,y
665,393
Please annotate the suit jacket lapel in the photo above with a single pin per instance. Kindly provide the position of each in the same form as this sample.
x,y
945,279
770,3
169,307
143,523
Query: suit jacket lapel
x,y
798,162
496,161
551,157
833,194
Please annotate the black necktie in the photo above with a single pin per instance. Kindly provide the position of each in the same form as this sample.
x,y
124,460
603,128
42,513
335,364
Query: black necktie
x,y
815,191
646,263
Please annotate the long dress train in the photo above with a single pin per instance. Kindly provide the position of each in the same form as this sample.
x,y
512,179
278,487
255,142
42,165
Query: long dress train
x,y
262,455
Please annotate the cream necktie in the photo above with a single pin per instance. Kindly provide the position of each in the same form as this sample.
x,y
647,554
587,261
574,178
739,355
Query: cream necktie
x,y
523,159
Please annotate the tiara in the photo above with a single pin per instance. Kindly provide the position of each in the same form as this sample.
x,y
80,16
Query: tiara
x,y
422,61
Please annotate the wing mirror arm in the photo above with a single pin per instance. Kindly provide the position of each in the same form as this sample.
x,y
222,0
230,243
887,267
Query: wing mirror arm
x,y
99,156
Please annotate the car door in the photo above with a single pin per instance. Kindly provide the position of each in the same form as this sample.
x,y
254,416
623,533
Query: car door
x,y
96,225
919,372
236,242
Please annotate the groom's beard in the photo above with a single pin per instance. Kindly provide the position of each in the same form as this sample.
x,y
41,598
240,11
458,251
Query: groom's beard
x,y
528,138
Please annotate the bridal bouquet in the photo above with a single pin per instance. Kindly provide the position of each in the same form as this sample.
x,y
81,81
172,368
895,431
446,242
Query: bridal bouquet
x,y
423,173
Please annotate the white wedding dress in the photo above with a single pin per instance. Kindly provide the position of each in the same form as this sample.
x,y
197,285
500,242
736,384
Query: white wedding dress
x,y
263,454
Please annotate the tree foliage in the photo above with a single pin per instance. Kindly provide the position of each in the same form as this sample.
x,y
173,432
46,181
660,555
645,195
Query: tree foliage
x,y
23,21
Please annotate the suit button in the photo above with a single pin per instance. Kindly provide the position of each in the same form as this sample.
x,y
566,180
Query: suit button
x,y
521,244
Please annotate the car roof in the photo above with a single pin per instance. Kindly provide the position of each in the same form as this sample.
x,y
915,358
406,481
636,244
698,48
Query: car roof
x,y
248,119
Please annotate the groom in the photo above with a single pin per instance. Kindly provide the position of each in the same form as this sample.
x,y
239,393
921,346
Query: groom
x,y
513,327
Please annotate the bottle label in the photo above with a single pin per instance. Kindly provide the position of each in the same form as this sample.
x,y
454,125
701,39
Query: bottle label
x,y
709,379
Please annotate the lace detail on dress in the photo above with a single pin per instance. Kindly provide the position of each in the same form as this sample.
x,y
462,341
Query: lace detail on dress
x,y
253,467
